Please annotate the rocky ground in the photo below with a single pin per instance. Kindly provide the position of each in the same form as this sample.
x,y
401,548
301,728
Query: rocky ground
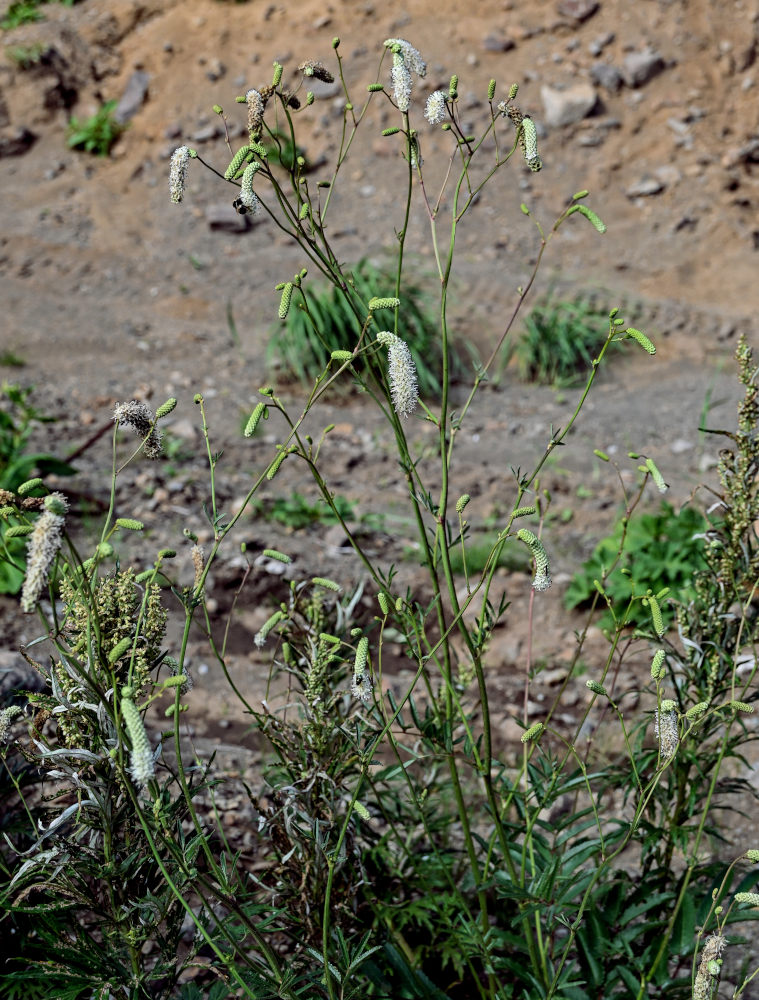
x,y
110,292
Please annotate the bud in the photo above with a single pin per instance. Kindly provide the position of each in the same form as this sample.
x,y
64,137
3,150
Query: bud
x,y
279,556
656,616
657,665
260,636
142,767
254,420
461,503
384,303
656,476
532,733
166,408
596,688
129,524
236,162
284,302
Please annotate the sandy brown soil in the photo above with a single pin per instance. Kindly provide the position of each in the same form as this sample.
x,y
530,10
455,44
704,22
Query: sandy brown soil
x,y
109,291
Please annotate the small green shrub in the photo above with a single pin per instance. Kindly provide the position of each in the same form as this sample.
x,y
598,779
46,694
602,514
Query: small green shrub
x,y
561,340
97,133
281,151
296,511
25,56
662,549
324,321
26,12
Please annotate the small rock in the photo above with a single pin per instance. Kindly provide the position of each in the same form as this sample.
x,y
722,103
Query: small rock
x,y
222,216
577,10
16,142
17,675
597,46
208,133
679,445
496,42
133,97
640,67
668,174
606,76
184,428
216,70
564,107
645,187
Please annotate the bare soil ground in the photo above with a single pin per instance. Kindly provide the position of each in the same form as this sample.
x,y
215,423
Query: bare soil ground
x,y
110,292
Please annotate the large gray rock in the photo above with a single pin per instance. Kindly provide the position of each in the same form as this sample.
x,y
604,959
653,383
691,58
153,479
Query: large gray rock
x,y
564,107
640,67
606,76
133,97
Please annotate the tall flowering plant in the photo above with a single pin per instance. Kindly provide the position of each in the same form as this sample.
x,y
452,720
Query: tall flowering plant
x,y
397,851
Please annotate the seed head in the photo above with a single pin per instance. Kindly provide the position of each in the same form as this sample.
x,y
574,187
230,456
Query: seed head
x,y
42,548
178,173
665,728
140,418
255,103
317,70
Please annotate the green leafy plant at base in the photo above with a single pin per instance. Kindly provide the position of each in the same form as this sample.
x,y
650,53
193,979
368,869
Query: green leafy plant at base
x,y
26,12
95,134
25,56
280,150
326,320
296,511
396,845
663,549
560,341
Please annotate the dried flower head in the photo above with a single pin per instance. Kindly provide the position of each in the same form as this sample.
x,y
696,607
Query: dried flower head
x,y
7,715
434,110
140,418
178,173
42,548
401,374
317,70
255,103
665,728
709,967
